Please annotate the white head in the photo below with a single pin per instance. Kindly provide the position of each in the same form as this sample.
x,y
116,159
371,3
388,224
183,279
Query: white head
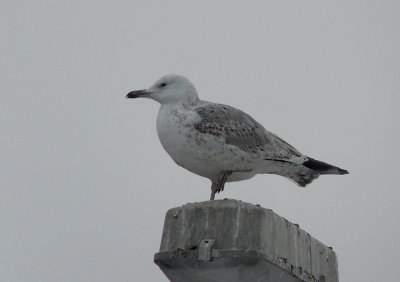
x,y
168,89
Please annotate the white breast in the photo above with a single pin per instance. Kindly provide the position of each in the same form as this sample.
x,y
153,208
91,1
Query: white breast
x,y
172,128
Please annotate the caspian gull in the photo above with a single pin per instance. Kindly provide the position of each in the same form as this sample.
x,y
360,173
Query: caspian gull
x,y
220,142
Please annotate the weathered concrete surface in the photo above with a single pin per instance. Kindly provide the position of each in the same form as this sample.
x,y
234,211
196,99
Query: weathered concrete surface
x,y
228,240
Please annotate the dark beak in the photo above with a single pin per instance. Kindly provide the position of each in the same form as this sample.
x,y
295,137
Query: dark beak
x,y
138,94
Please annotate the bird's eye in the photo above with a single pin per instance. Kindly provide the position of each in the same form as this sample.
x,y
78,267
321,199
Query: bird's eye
x,y
163,84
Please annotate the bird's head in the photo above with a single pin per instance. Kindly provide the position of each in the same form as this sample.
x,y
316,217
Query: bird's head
x,y
168,89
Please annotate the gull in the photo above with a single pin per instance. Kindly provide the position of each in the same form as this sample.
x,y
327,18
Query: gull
x,y
220,142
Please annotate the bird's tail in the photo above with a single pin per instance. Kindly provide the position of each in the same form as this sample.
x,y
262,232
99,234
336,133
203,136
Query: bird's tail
x,y
323,168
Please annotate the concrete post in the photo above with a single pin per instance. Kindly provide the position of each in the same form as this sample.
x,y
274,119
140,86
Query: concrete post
x,y
229,240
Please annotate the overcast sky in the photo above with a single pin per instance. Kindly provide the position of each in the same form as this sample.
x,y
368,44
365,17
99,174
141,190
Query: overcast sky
x,y
84,181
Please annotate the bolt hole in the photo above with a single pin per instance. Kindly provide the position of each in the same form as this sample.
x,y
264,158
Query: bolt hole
x,y
206,241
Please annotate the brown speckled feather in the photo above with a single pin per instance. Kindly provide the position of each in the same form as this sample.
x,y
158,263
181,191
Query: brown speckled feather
x,y
241,130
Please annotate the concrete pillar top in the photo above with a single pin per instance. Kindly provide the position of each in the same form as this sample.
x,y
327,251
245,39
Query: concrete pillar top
x,y
230,240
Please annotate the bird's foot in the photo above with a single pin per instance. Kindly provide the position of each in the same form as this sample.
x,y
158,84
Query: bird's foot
x,y
218,186
222,179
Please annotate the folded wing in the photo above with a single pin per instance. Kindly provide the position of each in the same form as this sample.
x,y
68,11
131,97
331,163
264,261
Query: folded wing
x,y
241,130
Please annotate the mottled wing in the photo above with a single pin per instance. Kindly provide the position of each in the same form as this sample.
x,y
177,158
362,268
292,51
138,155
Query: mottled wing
x,y
241,130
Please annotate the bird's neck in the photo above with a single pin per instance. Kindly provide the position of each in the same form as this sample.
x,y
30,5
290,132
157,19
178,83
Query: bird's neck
x,y
187,103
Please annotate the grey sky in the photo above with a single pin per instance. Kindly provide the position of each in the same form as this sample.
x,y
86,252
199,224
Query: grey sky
x,y
84,182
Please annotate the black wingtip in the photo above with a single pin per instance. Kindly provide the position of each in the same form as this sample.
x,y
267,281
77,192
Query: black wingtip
x,y
323,168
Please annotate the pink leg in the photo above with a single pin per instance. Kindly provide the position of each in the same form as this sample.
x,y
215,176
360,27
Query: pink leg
x,y
213,190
